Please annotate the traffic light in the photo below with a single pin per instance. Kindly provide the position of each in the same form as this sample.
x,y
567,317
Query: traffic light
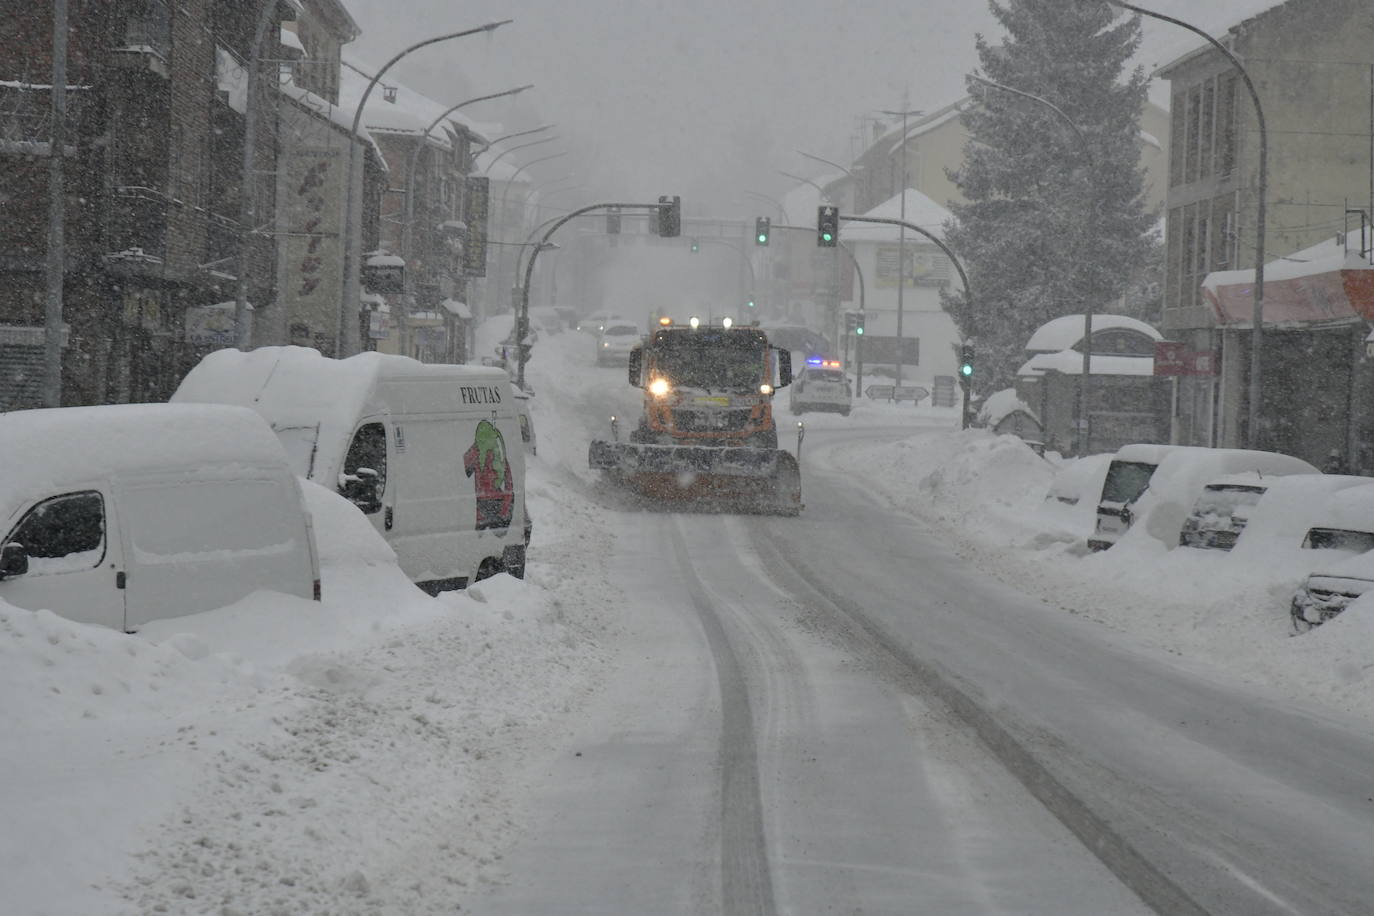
x,y
851,322
827,226
669,216
859,324
613,221
966,362
762,227
696,246
750,303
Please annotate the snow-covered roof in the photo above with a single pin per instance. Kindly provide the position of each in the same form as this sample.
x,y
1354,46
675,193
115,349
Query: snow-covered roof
x,y
1220,20
385,259
1070,362
920,211
411,112
62,447
335,114
1066,331
1001,404
290,39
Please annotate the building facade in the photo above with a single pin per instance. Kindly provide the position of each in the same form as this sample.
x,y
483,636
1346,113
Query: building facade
x,y
1312,65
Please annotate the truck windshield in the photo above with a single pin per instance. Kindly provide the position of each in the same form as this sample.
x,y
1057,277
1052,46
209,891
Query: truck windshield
x,y
718,368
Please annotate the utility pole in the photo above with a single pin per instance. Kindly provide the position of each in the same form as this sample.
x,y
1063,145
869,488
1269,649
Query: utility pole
x,y
901,232
57,253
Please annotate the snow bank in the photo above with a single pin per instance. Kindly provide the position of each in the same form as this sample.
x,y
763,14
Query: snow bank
x,y
1227,610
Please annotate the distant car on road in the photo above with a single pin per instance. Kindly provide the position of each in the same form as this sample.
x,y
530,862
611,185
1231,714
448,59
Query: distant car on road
x,y
615,343
821,385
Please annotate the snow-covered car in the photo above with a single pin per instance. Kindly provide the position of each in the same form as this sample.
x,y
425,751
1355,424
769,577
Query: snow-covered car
x,y
1158,484
595,324
615,343
821,385
1291,506
1221,512
546,320
1345,535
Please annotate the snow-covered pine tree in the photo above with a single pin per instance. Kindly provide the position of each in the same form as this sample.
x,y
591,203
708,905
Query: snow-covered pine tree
x,y
1052,222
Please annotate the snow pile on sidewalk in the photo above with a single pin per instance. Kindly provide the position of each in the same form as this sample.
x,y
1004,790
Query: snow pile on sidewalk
x,y
282,755
1229,610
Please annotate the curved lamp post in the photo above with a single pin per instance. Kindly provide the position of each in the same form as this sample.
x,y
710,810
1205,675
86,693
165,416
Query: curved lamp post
x,y
519,133
343,325
1084,380
408,233
1257,316
497,158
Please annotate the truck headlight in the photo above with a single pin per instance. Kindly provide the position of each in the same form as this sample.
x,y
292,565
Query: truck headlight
x,y
659,387
765,388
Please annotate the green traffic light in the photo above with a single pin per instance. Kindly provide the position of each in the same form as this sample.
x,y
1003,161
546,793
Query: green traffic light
x,y
827,236
763,239
966,369
751,303
859,330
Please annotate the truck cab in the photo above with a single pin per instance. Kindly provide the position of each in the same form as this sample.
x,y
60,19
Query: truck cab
x,y
708,385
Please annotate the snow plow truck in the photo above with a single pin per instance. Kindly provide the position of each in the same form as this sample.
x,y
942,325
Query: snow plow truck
x,y
707,431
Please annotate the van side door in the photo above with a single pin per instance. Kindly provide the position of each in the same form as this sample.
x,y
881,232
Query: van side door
x,y
74,563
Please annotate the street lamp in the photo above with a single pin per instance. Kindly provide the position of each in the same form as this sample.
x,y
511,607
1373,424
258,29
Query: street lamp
x,y
515,149
343,325
1257,317
825,198
519,133
505,193
1082,413
408,241
901,230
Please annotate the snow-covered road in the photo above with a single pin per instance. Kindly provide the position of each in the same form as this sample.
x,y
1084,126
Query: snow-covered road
x,y
870,708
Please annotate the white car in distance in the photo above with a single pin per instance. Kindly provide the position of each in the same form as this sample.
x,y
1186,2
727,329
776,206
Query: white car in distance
x,y
614,344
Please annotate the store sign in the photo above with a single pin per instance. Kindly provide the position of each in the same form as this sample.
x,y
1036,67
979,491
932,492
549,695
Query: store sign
x,y
1175,359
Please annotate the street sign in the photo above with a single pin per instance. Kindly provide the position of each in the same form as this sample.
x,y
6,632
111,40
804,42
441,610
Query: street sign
x,y
913,393
1172,359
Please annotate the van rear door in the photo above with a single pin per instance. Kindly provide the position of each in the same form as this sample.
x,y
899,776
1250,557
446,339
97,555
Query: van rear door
x,y
195,543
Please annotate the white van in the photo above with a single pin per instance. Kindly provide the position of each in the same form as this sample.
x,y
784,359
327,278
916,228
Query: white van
x,y
429,452
124,514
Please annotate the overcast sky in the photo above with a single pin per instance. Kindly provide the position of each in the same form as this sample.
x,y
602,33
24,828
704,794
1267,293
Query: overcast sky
x,y
705,98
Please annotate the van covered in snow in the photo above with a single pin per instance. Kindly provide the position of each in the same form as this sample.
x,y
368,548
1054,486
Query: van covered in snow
x,y
431,453
124,514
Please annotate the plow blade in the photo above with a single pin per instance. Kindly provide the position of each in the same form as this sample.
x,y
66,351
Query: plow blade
x,y
758,478
634,457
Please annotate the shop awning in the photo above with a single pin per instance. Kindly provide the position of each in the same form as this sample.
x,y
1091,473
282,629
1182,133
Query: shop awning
x,y
1330,283
457,309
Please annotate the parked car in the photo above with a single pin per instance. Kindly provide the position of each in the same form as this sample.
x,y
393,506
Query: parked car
x,y
821,385
1344,533
1220,513
595,324
121,515
1278,524
1157,484
615,343
425,451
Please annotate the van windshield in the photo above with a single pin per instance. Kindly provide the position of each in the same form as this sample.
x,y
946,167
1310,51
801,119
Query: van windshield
x,y
1339,539
1126,480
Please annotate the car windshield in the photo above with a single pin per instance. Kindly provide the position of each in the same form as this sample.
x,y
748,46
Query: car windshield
x,y
1225,500
1126,480
1339,539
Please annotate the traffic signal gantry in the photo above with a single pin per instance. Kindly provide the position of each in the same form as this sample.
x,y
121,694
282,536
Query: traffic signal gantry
x,y
669,216
762,229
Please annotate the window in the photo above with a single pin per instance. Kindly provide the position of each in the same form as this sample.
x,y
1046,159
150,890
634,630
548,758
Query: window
x,y
63,534
367,452
1339,539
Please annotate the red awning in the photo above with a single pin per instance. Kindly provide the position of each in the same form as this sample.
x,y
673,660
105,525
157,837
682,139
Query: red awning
x,y
1329,283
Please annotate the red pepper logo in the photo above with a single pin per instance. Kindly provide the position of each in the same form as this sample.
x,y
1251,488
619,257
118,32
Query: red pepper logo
x,y
486,462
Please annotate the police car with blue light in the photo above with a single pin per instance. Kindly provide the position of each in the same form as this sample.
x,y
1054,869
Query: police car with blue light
x,y
821,385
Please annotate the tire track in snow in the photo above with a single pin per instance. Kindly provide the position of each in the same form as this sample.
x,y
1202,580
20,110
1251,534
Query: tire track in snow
x,y
746,881
1156,889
